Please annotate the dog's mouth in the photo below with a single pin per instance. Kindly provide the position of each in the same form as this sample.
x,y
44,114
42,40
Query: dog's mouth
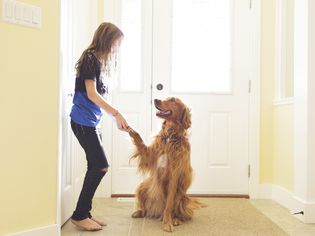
x,y
163,113
160,112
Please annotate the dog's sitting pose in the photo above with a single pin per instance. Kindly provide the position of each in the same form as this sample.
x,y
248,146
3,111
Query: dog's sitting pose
x,y
167,162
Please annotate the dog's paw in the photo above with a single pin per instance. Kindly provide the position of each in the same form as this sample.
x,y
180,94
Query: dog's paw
x,y
132,132
135,135
137,214
177,222
168,227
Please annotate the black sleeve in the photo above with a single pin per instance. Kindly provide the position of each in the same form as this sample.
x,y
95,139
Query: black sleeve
x,y
89,67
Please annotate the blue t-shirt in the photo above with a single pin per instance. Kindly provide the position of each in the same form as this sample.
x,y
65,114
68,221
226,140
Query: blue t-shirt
x,y
84,111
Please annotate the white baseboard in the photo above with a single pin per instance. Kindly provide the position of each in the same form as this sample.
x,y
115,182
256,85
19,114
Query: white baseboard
x,y
287,199
308,209
282,196
50,230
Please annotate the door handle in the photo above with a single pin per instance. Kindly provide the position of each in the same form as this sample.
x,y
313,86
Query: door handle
x,y
159,86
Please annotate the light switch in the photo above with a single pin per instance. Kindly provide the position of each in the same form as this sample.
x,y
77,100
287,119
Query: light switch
x,y
18,11
8,9
36,15
27,13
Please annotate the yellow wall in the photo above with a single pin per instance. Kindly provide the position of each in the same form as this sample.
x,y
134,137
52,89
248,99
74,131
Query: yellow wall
x,y
268,10
29,113
289,88
283,146
100,13
276,145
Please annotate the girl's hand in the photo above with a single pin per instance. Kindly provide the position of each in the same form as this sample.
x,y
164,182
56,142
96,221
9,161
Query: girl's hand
x,y
121,122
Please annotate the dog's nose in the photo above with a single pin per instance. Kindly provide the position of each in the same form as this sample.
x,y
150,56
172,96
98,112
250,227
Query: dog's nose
x,y
157,101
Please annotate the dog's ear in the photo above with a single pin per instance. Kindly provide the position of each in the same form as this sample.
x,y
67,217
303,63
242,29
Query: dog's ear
x,y
186,118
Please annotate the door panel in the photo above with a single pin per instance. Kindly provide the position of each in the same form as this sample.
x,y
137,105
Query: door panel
x,y
204,61
132,92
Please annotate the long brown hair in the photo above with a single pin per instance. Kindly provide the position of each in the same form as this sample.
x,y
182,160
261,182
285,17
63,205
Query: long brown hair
x,y
102,44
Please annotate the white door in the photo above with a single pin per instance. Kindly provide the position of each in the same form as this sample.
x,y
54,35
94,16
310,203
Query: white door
x,y
78,23
199,51
131,93
67,184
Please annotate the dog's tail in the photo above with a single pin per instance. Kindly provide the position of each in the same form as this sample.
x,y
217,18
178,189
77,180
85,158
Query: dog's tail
x,y
186,207
196,204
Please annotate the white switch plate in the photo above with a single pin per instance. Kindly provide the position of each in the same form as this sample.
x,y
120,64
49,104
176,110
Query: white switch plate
x,y
21,13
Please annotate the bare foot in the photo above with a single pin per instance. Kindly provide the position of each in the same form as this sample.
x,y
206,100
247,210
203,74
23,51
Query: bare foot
x,y
100,222
87,224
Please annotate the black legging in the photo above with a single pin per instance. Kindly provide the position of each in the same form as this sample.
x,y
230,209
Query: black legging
x,y
90,139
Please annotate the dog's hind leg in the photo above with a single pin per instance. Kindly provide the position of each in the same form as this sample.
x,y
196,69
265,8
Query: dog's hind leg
x,y
138,214
141,195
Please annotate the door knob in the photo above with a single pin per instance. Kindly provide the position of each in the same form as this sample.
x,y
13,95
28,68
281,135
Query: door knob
x,y
159,86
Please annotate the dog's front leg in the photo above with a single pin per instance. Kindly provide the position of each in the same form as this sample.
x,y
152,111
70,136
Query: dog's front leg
x,y
167,215
142,149
146,154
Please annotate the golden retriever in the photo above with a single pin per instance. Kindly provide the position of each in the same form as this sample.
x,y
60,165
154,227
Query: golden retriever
x,y
162,194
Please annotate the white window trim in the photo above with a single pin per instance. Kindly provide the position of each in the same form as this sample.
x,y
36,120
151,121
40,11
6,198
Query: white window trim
x,y
283,101
280,60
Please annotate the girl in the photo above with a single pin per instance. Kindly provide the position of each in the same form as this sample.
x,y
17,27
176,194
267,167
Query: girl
x,y
86,115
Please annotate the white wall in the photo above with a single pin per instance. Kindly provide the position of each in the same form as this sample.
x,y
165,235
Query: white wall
x,y
304,163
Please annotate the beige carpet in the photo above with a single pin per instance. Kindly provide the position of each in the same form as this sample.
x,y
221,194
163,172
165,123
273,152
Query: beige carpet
x,y
222,217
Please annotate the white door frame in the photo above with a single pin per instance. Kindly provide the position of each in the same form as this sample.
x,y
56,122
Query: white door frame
x,y
68,7
254,114
254,103
255,190
59,119
75,148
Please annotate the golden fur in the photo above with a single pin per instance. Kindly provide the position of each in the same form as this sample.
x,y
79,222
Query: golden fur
x,y
162,194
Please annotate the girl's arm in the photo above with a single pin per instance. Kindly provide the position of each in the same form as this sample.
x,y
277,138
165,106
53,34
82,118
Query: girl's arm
x,y
96,98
